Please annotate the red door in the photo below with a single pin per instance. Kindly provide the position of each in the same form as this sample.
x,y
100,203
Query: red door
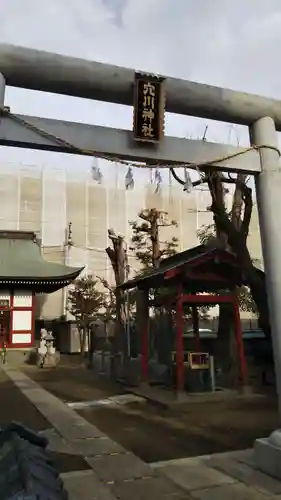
x,y
4,327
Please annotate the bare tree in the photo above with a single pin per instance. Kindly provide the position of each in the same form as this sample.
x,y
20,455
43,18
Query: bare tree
x,y
117,254
233,229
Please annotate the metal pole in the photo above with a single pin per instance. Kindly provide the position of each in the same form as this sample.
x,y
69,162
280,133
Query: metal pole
x,y
127,270
67,245
45,71
268,188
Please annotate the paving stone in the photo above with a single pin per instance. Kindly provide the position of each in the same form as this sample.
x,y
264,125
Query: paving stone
x,y
236,491
194,477
72,428
247,475
157,488
245,456
57,443
36,395
96,446
111,468
85,486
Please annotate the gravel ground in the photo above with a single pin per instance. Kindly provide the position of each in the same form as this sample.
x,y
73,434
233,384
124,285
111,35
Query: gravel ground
x,y
156,434
15,406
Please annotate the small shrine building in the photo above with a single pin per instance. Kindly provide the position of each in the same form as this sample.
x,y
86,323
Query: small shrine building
x,y
24,274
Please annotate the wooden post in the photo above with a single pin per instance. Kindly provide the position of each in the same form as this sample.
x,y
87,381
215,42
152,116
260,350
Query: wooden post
x,y
239,341
142,327
179,343
195,323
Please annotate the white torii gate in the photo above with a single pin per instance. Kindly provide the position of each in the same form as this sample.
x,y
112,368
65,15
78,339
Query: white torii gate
x,y
36,70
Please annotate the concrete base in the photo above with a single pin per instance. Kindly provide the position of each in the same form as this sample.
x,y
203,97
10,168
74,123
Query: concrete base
x,y
18,357
246,390
267,455
181,397
50,360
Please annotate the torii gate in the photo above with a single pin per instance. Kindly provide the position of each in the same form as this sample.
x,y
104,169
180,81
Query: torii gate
x,y
36,70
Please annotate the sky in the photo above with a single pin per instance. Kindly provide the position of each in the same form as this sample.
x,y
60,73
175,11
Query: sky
x,y
227,43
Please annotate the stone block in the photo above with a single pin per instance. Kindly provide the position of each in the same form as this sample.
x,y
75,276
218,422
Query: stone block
x,y
248,475
156,488
50,360
56,443
96,446
72,428
192,477
268,457
112,468
85,485
236,491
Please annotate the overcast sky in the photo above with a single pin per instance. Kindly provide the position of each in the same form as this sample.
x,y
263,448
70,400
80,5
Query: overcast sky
x,y
230,43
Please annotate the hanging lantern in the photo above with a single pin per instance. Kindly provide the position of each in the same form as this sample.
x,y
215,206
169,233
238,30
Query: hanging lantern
x,y
129,179
188,186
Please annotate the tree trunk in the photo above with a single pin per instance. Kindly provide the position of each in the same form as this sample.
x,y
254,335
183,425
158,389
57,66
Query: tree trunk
x,y
121,340
91,346
258,291
83,338
226,353
119,343
118,260
254,279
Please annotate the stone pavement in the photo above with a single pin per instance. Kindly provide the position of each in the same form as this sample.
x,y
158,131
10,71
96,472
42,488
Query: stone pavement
x,y
115,473
212,477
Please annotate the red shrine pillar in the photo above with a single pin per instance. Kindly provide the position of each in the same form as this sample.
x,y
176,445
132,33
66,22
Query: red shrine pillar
x,y
142,326
239,341
179,341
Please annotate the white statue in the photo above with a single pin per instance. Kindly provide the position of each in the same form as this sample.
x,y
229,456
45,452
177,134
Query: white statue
x,y
49,339
45,346
42,353
47,354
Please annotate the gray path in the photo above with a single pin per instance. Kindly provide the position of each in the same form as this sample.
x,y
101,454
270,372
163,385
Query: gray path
x,y
117,474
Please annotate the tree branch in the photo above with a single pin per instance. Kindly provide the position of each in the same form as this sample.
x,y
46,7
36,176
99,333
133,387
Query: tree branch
x,y
204,180
110,253
105,283
237,201
248,208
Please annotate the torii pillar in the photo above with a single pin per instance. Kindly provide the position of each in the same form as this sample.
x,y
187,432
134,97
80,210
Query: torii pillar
x,y
268,188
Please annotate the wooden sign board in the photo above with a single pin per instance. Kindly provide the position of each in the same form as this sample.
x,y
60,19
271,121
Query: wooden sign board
x,y
149,108
198,360
4,303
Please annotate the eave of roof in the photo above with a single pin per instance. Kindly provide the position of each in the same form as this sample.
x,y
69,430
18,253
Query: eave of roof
x,y
21,261
190,257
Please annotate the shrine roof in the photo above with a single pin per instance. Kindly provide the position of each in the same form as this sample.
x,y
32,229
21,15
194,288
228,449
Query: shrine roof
x,y
200,269
21,262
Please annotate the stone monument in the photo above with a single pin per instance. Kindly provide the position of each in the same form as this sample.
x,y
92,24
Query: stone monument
x,y
47,356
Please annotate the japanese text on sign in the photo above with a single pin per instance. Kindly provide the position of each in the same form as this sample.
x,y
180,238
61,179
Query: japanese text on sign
x,y
149,108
